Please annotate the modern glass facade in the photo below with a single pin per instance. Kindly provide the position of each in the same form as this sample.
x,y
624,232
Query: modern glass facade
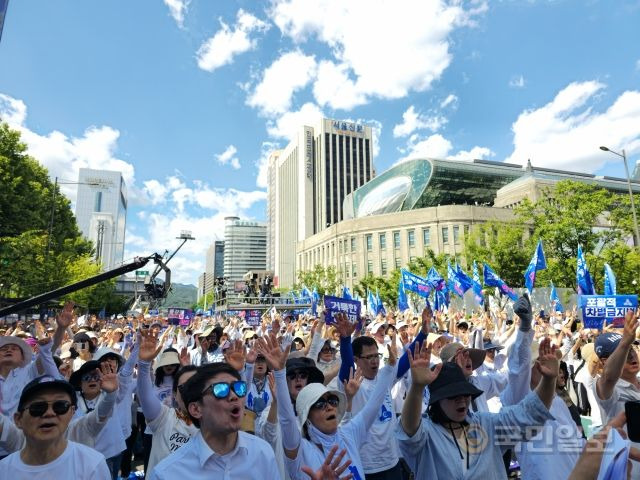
x,y
425,183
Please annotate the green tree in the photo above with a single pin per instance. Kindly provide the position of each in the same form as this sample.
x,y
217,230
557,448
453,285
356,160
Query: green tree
x,y
327,280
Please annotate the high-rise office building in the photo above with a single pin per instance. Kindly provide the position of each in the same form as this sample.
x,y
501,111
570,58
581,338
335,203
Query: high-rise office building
x,y
272,170
101,213
313,174
215,264
245,247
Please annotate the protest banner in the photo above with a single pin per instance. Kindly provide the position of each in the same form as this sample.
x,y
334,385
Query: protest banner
x,y
335,305
597,309
253,317
415,283
180,316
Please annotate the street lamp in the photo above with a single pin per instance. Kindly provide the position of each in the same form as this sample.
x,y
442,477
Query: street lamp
x,y
636,240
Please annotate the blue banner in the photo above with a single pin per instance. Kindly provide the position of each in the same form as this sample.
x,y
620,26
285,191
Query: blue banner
x,y
415,283
346,293
609,280
379,305
492,279
434,279
538,262
583,277
477,286
253,317
335,305
610,308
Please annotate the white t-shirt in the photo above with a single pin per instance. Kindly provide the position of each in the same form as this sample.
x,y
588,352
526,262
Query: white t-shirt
x,y
169,434
77,461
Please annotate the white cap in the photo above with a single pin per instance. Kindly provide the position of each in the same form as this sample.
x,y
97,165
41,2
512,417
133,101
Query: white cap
x,y
375,326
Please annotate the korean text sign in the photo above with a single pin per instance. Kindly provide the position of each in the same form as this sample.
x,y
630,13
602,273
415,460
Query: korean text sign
x,y
610,308
335,305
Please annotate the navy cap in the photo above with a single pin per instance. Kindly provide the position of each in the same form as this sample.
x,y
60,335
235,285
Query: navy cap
x,y
606,343
46,382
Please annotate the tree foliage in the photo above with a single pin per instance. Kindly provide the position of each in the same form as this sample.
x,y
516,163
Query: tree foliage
x,y
327,280
37,255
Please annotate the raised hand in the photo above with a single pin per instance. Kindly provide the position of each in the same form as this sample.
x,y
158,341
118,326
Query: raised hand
x,y
65,317
108,378
427,315
235,355
547,364
420,362
269,347
252,355
404,337
272,386
344,326
630,326
393,350
184,357
275,326
352,385
149,346
331,468
314,327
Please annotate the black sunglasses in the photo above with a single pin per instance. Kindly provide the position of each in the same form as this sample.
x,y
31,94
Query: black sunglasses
x,y
38,409
323,402
299,374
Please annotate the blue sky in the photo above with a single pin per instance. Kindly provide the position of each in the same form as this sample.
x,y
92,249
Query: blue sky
x,y
187,98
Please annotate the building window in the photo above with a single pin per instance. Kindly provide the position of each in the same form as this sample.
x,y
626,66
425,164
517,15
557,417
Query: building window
x,y
398,263
426,236
456,234
353,244
445,235
369,242
466,230
346,269
354,270
369,266
396,239
97,205
383,266
340,246
411,238
383,241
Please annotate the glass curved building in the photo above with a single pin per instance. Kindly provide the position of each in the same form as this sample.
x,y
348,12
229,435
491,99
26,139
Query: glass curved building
x,y
427,182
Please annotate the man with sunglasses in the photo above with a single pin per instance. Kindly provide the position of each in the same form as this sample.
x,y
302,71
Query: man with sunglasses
x,y
214,397
45,409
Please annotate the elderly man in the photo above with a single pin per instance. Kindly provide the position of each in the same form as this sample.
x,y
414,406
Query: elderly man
x,y
44,411
214,397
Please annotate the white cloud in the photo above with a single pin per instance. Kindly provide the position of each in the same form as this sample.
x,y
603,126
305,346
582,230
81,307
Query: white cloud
x,y
566,132
228,157
517,81
437,146
413,121
451,100
220,49
64,156
177,9
266,150
292,71
379,50
288,124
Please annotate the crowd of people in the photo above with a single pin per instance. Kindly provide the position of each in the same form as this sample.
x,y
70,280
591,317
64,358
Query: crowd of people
x,y
431,395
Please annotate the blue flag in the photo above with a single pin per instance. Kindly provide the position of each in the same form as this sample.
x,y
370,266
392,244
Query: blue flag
x,y
403,303
609,280
441,298
555,298
477,286
315,298
346,293
102,313
379,305
538,262
492,279
583,277
435,279
415,283
372,306
458,281
462,278
305,294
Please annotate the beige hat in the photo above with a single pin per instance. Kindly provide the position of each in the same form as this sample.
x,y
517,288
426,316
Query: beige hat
x,y
65,350
449,351
311,394
587,350
167,358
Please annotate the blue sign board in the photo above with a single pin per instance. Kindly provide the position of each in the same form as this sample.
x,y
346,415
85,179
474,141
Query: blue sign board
x,y
335,305
610,308
253,317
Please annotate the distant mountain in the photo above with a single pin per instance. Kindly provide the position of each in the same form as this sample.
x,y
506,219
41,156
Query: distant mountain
x,y
181,296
